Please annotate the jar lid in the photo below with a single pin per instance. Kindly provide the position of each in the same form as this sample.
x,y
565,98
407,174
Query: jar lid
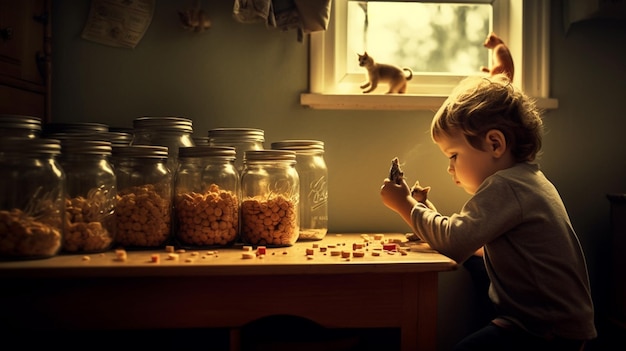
x,y
103,136
20,122
200,141
269,155
140,151
84,146
237,134
207,151
87,127
167,123
30,145
299,145
120,138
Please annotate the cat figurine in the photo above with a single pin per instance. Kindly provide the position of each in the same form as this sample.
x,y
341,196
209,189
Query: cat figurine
x,y
502,61
380,72
420,194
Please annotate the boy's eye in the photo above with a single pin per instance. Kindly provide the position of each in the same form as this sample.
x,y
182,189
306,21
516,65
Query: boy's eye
x,y
453,157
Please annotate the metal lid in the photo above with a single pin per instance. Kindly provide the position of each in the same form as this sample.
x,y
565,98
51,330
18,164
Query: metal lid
x,y
20,122
201,141
269,155
120,138
30,146
299,145
167,123
207,151
140,151
87,127
237,134
85,147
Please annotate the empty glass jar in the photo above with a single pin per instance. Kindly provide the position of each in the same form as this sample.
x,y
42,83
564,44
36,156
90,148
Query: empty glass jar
x,y
172,132
313,174
242,139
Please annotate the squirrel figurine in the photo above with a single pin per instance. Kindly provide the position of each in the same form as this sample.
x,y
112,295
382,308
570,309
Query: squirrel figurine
x,y
502,61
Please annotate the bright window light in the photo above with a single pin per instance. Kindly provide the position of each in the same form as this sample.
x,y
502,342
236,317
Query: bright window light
x,y
425,37
441,42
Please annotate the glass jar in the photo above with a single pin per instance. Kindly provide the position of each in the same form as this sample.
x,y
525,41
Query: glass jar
x,y
270,190
242,139
20,126
144,196
313,174
206,197
32,195
91,195
173,132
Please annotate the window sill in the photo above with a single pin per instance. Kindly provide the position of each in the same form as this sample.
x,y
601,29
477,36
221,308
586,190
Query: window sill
x,y
389,102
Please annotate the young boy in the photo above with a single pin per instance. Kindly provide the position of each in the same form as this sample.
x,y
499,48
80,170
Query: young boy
x,y
491,133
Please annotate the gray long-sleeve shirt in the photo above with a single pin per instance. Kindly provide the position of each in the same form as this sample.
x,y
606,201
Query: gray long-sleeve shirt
x,y
537,268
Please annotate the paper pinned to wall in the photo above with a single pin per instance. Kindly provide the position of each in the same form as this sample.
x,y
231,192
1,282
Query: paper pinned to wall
x,y
118,23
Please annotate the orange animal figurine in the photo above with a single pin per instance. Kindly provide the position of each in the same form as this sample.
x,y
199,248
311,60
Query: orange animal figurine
x,y
502,59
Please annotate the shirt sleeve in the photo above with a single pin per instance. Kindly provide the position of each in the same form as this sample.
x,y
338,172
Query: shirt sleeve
x,y
493,210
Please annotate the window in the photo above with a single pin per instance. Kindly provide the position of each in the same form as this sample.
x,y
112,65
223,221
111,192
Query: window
x,y
441,42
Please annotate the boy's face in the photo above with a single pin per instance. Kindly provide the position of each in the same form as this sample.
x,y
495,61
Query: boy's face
x,y
468,166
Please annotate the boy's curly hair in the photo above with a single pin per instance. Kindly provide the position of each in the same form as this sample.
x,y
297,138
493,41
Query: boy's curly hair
x,y
479,104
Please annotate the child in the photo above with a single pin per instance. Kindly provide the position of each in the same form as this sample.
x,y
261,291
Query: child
x,y
491,133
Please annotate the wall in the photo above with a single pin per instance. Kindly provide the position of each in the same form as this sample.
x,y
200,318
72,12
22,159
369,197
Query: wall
x,y
247,75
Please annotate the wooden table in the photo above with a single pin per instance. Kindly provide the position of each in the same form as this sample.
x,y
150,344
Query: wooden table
x,y
203,289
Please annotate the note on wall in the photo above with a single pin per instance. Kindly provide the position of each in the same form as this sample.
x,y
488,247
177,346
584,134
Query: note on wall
x,y
119,23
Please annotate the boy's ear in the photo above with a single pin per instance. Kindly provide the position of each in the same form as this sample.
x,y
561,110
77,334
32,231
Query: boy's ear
x,y
496,142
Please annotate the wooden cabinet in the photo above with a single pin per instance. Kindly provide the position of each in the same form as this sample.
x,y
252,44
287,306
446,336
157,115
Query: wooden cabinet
x,y
25,66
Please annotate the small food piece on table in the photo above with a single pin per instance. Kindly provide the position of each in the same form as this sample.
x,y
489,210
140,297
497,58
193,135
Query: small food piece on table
x,y
358,253
390,246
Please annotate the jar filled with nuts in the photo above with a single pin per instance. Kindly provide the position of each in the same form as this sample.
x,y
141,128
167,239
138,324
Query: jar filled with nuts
x,y
242,139
270,189
91,195
32,195
173,132
313,174
144,196
206,197
20,126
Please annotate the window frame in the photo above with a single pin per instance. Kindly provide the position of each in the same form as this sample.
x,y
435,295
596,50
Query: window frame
x,y
522,24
